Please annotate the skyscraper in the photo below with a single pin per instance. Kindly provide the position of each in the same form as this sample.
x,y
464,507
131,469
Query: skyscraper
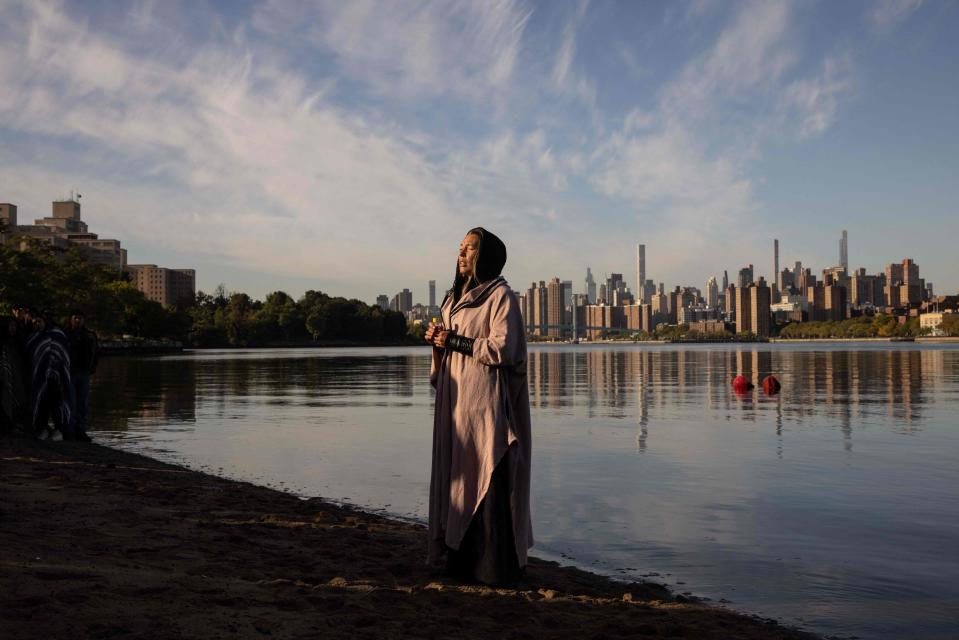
x,y
844,250
745,276
554,308
725,279
590,286
777,281
641,272
759,309
537,306
712,292
752,309
432,293
402,301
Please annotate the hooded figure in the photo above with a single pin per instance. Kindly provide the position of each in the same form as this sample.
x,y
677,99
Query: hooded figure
x,y
14,402
51,389
479,513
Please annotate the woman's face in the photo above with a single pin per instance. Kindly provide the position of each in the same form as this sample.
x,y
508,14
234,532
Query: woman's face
x,y
469,251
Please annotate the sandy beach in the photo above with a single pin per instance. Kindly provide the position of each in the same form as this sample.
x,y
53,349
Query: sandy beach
x,y
98,543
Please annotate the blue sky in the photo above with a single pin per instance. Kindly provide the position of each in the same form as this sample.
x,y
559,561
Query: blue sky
x,y
347,146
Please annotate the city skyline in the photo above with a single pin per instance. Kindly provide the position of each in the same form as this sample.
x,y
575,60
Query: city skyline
x,y
347,147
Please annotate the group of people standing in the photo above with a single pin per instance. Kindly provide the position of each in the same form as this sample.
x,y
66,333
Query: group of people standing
x,y
45,374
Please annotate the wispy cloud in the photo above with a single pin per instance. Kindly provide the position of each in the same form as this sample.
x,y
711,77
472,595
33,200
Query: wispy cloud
x,y
277,177
883,15
412,49
686,167
565,78
344,141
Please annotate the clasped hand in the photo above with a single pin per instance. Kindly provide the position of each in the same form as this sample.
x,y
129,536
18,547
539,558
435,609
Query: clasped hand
x,y
436,335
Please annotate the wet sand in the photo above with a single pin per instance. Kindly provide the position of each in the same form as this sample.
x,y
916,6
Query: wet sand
x,y
98,543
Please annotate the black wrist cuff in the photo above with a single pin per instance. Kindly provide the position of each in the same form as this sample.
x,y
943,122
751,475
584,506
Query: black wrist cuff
x,y
461,344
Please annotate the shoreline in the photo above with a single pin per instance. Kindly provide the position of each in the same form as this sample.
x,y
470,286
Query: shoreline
x,y
100,542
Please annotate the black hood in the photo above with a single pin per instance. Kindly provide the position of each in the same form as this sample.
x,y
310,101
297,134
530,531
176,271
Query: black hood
x,y
489,263
492,255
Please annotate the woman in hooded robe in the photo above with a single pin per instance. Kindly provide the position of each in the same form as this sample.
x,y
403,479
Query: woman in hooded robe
x,y
479,516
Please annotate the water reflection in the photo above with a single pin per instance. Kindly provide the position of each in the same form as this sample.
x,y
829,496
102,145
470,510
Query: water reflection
x,y
825,504
837,386
132,391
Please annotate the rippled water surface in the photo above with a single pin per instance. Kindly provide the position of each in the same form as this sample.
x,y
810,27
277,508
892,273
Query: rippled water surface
x,y
833,505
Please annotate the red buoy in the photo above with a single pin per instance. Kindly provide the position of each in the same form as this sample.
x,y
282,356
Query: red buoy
x,y
771,385
741,384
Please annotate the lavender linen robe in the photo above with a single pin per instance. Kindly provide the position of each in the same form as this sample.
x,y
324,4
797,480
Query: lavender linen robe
x,y
482,411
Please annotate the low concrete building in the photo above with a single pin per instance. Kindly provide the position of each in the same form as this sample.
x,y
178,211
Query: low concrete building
x,y
933,322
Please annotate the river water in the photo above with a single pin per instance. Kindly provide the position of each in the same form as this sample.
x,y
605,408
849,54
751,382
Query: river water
x,y
833,505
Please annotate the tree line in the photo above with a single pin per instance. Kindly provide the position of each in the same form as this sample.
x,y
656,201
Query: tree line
x,y
877,326
59,282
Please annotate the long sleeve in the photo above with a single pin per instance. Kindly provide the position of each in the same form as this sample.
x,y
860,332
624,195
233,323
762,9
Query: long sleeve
x,y
503,346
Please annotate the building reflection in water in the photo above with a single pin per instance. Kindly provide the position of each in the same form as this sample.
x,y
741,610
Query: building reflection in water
x,y
172,390
837,387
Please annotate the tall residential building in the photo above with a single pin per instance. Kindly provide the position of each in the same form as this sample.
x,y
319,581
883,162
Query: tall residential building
x,y
759,308
432,285
555,309
614,282
712,292
913,286
383,302
816,299
641,272
537,308
844,251
743,310
166,286
777,284
639,317
904,287
893,282
753,309
745,277
731,301
648,290
590,286
402,301
834,299
680,298
866,290
910,272
834,275
805,279
8,214
659,308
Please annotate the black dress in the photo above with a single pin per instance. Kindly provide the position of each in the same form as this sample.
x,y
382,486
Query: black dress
x,y
487,553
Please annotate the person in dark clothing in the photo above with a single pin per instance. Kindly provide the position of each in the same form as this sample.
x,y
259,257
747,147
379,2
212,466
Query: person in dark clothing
x,y
52,390
479,510
14,391
84,356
